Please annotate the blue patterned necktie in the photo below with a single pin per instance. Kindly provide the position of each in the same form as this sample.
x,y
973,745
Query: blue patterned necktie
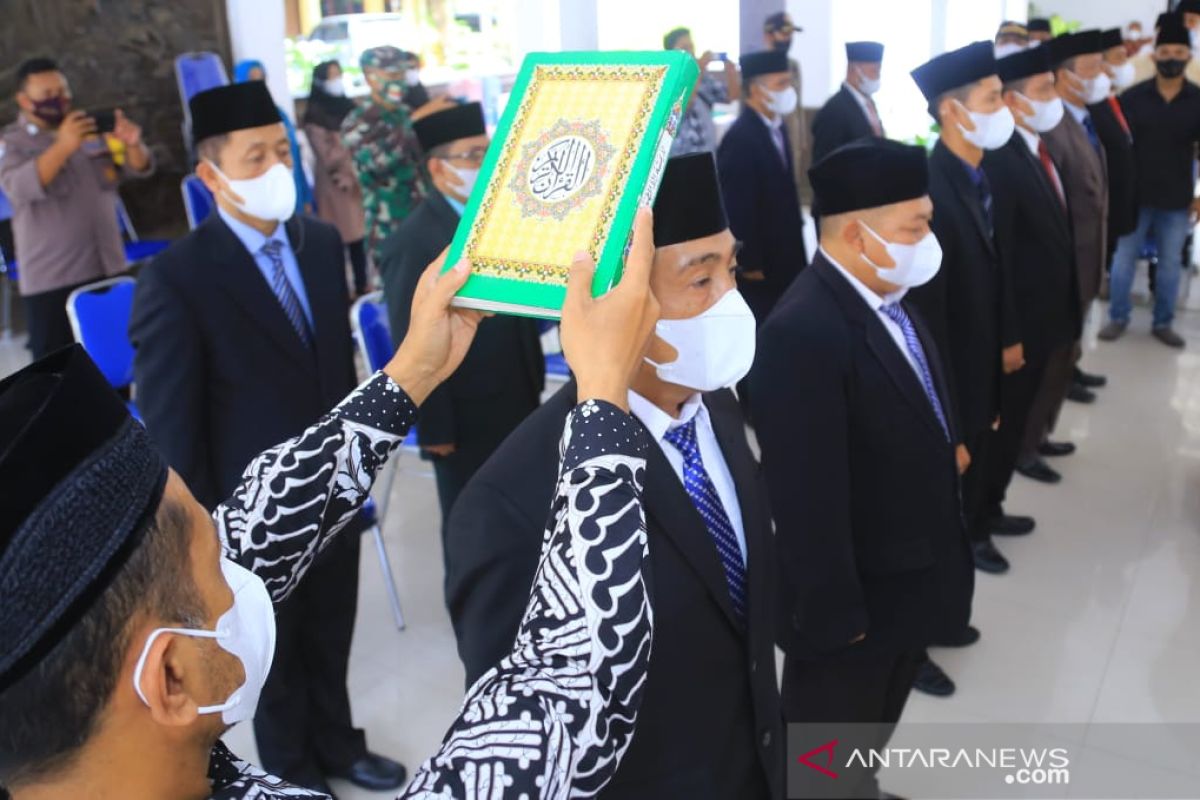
x,y
286,294
896,313
704,497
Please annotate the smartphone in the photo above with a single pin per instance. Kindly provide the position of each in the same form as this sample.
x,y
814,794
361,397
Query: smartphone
x,y
722,56
106,120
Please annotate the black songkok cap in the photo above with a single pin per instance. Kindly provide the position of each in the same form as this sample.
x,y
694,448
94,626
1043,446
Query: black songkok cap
x,y
1188,7
1112,38
1038,25
868,52
1018,66
960,67
1070,45
869,173
689,204
457,122
82,481
1164,18
1172,31
764,63
234,107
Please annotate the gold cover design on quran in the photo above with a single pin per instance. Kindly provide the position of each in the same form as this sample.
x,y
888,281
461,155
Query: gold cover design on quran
x,y
580,147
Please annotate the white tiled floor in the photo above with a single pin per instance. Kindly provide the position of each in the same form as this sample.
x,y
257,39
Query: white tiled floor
x,y
1097,621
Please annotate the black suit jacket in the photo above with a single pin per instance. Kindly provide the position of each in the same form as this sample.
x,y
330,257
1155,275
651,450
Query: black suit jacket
x,y
863,483
840,121
1122,171
501,379
1033,234
764,209
961,305
221,374
710,724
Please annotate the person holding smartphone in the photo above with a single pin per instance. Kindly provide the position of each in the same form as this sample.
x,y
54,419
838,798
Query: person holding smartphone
x,y
697,131
61,176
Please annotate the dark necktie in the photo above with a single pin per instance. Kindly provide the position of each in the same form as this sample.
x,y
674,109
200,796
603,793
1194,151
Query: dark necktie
x,y
985,197
897,314
1090,127
1051,174
704,497
286,294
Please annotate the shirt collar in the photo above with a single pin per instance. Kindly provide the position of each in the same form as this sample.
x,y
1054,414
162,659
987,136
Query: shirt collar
x,y
1078,112
252,239
772,124
856,94
659,422
456,205
868,295
1031,138
30,127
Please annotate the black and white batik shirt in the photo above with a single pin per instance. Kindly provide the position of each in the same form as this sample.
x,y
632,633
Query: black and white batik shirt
x,y
554,717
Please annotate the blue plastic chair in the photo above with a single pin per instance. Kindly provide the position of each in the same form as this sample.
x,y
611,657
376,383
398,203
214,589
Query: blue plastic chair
x,y
369,321
99,315
198,201
136,248
556,362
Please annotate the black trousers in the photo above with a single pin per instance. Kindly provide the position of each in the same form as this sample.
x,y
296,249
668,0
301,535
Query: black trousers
x,y
850,687
358,264
46,318
975,486
1017,394
303,726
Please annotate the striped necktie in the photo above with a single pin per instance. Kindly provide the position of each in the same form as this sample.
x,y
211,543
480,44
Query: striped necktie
x,y
704,497
286,293
897,314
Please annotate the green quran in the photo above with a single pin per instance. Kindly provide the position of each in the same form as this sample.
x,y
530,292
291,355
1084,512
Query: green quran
x,y
581,146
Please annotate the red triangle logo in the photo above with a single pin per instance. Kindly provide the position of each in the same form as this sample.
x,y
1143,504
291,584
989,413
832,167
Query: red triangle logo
x,y
827,749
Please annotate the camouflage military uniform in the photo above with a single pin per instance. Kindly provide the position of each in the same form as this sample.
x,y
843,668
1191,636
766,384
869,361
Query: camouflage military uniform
x,y
387,158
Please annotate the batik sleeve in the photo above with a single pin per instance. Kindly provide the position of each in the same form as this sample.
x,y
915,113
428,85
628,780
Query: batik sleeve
x,y
295,497
555,716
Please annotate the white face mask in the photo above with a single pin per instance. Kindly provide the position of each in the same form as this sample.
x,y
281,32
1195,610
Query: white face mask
x,y
916,264
867,86
1008,48
992,131
1094,90
247,630
466,177
413,77
1124,75
782,102
715,349
1046,113
335,87
270,196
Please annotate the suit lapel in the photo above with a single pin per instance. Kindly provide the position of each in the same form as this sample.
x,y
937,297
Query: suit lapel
x,y
881,343
1043,181
248,289
323,301
956,171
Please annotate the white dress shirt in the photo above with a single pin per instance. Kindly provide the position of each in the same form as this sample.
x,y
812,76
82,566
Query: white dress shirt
x,y
877,303
658,423
1078,112
1032,140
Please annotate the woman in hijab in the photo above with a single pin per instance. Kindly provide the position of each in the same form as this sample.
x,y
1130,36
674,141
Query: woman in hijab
x,y
339,195
251,70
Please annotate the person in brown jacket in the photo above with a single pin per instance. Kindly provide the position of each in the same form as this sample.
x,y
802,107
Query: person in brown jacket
x,y
338,194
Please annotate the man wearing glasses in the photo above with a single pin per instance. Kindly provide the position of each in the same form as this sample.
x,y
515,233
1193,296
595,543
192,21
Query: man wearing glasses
x,y
500,381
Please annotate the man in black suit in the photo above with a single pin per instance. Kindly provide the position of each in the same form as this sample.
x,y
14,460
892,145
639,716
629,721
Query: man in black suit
x,y
243,341
1114,132
1037,260
710,725
851,114
858,431
500,382
755,165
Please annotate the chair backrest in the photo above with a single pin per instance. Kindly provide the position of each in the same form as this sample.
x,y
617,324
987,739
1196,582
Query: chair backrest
x,y
369,320
196,72
99,315
198,202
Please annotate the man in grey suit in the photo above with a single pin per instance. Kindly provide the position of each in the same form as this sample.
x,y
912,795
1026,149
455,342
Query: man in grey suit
x,y
1080,80
500,381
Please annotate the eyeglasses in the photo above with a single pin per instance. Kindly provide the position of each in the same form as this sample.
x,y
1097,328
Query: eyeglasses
x,y
473,156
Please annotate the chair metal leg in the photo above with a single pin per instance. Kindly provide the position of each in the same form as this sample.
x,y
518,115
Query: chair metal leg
x,y
389,578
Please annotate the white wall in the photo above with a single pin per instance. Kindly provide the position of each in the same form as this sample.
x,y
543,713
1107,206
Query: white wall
x,y
256,30
537,27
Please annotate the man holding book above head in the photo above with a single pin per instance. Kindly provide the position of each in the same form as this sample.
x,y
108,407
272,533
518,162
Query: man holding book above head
x,y
710,722
500,382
